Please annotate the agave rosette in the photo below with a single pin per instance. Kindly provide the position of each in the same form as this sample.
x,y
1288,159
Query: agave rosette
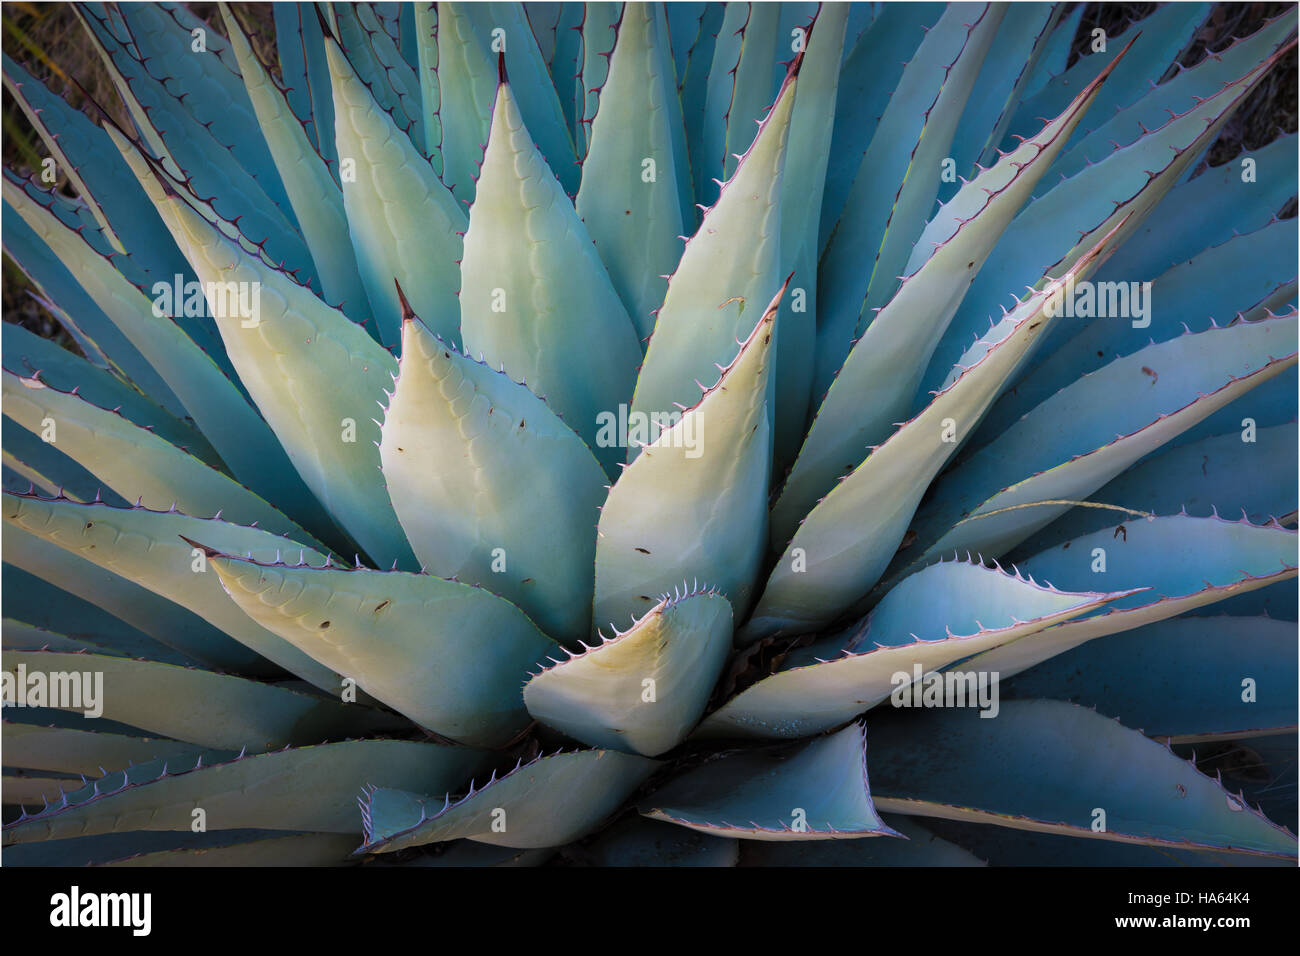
x,y
593,429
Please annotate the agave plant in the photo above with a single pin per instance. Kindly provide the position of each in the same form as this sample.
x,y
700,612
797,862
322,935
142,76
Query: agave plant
x,y
575,432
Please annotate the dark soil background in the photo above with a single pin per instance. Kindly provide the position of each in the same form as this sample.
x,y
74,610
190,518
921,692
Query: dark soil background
x,y
47,39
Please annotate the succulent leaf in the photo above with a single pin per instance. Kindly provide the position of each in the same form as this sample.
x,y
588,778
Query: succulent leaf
x,y
1019,45
915,134
934,618
193,152
95,170
379,66
535,297
148,548
549,801
28,355
405,224
1157,41
514,495
90,752
312,788
1180,680
1121,187
131,459
1176,95
215,711
695,501
815,790
449,656
645,688
60,295
600,25
730,265
694,83
1210,210
20,636
636,841
171,626
538,104
294,354
1188,297
1185,380
299,849
88,624
566,66
202,391
1202,478
1078,760
312,190
869,78
802,184
466,84
215,97
1181,563
31,464
635,222
300,43
870,394
1056,57
829,562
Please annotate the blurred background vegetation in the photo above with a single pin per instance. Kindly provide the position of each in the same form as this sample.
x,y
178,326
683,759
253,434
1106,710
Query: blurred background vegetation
x,y
48,40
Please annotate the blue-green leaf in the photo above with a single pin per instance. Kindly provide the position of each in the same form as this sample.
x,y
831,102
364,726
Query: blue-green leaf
x,y
316,377
1179,563
694,503
844,544
1222,474
643,689
131,459
222,414
547,802
940,615
405,224
802,185
535,297
1086,434
449,656
1157,42
312,788
812,791
636,841
874,389
305,73
1045,237
537,101
90,752
881,224
1259,267
299,849
729,266
212,710
1049,766
1187,679
149,549
27,355
635,221
868,79
466,84
490,486
312,190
